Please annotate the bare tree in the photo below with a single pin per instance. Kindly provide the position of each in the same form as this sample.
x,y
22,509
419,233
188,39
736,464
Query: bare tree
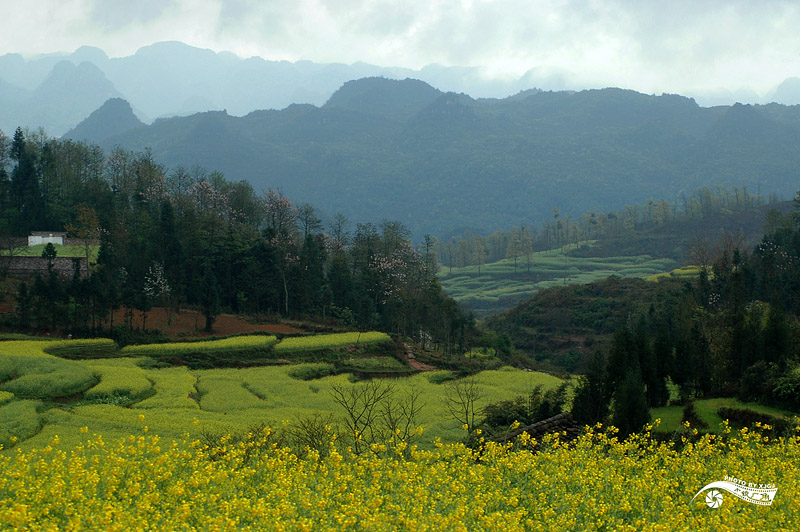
x,y
315,432
399,416
375,412
339,231
460,397
362,405
308,219
700,252
728,242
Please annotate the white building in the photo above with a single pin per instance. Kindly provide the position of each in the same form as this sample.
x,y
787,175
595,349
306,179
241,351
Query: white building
x,y
46,237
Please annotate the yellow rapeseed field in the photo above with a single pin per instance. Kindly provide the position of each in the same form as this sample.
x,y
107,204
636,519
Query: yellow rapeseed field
x,y
234,343
597,483
330,341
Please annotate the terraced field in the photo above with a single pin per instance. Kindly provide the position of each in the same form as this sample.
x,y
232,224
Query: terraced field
x,y
44,395
498,286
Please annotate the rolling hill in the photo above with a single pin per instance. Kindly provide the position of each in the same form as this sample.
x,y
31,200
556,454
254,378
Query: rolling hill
x,y
442,162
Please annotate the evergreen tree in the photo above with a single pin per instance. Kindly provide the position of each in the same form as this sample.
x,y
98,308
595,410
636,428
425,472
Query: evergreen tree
x,y
23,313
591,399
209,297
630,412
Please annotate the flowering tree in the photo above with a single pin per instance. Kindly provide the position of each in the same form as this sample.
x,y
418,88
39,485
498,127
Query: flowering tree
x,y
157,290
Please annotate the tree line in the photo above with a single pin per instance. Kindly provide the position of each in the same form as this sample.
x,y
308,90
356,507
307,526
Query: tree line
x,y
189,237
520,243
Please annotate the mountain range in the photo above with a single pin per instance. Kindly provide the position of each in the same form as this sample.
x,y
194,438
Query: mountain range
x,y
164,79
443,162
57,91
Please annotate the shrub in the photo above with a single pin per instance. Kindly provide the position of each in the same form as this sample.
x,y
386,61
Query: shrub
x,y
440,377
690,415
743,417
307,372
786,391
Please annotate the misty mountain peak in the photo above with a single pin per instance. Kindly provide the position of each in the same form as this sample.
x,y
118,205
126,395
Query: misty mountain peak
x,y
788,92
90,54
115,116
397,99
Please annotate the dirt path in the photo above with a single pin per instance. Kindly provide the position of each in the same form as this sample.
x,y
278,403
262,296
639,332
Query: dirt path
x,y
414,363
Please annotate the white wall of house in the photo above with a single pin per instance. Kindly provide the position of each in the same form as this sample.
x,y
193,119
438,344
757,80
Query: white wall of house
x,y
35,240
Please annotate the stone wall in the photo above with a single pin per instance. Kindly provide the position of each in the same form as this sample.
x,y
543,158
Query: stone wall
x,y
28,267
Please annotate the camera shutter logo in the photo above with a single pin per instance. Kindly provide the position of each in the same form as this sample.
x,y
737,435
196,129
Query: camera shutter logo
x,y
761,494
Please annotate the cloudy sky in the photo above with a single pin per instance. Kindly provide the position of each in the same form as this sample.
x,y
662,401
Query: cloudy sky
x,y
668,46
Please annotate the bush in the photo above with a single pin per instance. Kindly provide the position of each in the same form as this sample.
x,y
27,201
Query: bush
x,y
786,392
307,372
690,414
526,409
744,417
758,381
440,377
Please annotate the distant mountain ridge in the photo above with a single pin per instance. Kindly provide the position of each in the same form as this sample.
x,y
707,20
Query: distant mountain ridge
x,y
445,162
65,96
173,78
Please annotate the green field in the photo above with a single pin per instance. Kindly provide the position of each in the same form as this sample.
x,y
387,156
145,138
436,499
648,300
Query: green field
x,y
498,287
707,410
116,397
61,251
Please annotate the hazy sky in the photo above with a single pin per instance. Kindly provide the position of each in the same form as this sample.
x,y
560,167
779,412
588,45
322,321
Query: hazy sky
x,y
665,46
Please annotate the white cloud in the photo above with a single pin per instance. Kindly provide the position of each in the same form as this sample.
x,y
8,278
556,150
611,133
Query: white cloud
x,y
666,46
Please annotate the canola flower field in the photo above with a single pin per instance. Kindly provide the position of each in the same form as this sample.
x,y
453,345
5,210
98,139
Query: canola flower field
x,y
235,343
597,483
138,463
329,341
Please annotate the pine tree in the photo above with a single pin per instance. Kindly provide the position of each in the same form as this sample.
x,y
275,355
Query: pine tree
x,y
209,297
591,399
630,412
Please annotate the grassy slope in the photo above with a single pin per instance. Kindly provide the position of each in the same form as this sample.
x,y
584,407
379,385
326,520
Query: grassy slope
x,y
498,287
179,401
233,399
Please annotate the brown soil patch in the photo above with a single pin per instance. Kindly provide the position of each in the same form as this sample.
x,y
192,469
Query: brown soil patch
x,y
414,363
191,323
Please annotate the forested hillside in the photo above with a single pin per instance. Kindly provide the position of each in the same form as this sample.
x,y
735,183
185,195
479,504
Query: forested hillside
x,y
175,238
733,330
442,163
